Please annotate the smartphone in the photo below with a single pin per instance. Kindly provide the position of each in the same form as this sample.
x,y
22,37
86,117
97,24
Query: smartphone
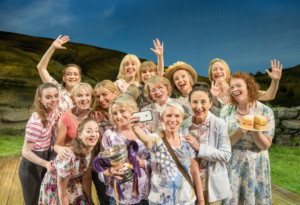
x,y
144,116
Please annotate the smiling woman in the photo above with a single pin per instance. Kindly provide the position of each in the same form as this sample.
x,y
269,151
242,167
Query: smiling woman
x,y
71,74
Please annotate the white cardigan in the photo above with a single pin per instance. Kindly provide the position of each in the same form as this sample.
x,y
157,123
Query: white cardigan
x,y
217,152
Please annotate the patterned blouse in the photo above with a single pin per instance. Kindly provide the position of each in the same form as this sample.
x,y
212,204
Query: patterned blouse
x,y
113,137
65,101
168,185
123,85
201,133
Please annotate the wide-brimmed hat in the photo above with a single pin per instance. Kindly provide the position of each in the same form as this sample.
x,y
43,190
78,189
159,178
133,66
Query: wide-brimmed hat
x,y
179,65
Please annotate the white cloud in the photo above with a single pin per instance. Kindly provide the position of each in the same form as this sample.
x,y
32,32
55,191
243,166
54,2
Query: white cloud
x,y
35,16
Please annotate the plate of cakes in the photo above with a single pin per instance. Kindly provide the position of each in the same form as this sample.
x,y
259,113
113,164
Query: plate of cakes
x,y
254,123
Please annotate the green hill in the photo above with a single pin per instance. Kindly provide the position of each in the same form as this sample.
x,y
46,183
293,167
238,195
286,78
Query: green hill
x,y
20,54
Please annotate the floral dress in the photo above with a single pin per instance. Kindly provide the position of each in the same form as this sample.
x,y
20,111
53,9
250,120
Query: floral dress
x,y
249,167
66,168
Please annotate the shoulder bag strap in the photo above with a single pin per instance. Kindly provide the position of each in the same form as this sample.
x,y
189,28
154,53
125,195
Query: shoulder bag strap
x,y
178,164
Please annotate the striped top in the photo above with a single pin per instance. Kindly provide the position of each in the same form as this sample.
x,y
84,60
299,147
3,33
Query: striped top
x,y
35,132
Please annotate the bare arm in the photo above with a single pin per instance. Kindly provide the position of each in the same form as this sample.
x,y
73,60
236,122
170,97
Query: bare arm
x,y
62,190
159,51
59,147
261,140
275,75
29,155
197,181
42,66
146,139
235,136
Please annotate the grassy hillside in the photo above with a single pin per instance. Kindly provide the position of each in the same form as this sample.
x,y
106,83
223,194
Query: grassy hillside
x,y
20,54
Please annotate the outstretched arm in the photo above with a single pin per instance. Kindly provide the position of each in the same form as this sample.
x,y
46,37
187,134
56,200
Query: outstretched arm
x,y
146,139
62,190
275,75
42,66
159,51
59,147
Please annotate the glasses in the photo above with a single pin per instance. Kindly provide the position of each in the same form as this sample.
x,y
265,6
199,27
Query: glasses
x,y
155,90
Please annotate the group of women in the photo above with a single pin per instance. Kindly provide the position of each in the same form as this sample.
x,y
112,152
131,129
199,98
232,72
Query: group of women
x,y
187,154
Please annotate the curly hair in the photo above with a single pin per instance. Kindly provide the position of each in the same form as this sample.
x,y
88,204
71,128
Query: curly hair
x,y
225,66
153,80
252,86
78,147
65,70
109,85
37,106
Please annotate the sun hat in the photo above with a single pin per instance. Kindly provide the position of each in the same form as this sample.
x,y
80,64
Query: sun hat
x,y
179,65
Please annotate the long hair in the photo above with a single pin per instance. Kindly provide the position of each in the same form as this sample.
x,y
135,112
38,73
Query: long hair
x,y
78,147
109,85
122,73
37,106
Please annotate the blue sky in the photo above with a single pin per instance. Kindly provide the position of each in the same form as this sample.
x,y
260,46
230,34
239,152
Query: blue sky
x,y
246,34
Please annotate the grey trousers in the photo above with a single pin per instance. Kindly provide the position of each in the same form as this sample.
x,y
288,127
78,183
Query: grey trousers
x,y
31,176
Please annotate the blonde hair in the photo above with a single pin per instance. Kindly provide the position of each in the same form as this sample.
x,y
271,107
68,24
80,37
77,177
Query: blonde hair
x,y
109,85
174,105
124,101
136,60
79,86
224,64
37,106
153,80
147,65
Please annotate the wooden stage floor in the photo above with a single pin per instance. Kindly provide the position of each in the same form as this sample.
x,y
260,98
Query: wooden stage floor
x,y
11,191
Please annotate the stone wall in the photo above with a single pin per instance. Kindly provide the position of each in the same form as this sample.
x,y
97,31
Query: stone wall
x,y
287,123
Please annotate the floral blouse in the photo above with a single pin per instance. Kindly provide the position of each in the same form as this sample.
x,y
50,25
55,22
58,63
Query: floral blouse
x,y
65,101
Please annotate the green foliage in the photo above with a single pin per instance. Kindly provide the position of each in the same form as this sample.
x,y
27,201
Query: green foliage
x,y
285,165
10,145
12,132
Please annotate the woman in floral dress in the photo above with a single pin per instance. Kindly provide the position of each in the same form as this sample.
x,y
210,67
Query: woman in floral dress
x,y
65,185
249,166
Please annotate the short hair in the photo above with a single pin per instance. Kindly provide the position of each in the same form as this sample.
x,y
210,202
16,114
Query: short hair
x,y
86,86
227,70
153,80
147,65
201,86
65,70
252,86
174,105
124,101
135,59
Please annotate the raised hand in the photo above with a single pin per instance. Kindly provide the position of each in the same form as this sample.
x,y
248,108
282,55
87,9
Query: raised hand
x,y
159,47
276,72
215,89
57,44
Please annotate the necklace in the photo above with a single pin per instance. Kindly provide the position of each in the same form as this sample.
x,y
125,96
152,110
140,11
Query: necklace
x,y
242,113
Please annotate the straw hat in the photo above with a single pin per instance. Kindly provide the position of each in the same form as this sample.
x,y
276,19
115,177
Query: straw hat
x,y
179,65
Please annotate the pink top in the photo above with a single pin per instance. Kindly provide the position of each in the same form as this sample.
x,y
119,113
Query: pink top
x,y
70,125
40,135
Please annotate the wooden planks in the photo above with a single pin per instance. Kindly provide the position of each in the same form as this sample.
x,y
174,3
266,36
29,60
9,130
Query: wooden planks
x,y
9,173
15,196
11,190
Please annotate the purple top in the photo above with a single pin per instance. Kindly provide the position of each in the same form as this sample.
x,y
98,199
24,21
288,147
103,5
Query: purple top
x,y
113,137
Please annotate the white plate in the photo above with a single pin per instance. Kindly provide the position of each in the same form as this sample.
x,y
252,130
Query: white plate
x,y
240,125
